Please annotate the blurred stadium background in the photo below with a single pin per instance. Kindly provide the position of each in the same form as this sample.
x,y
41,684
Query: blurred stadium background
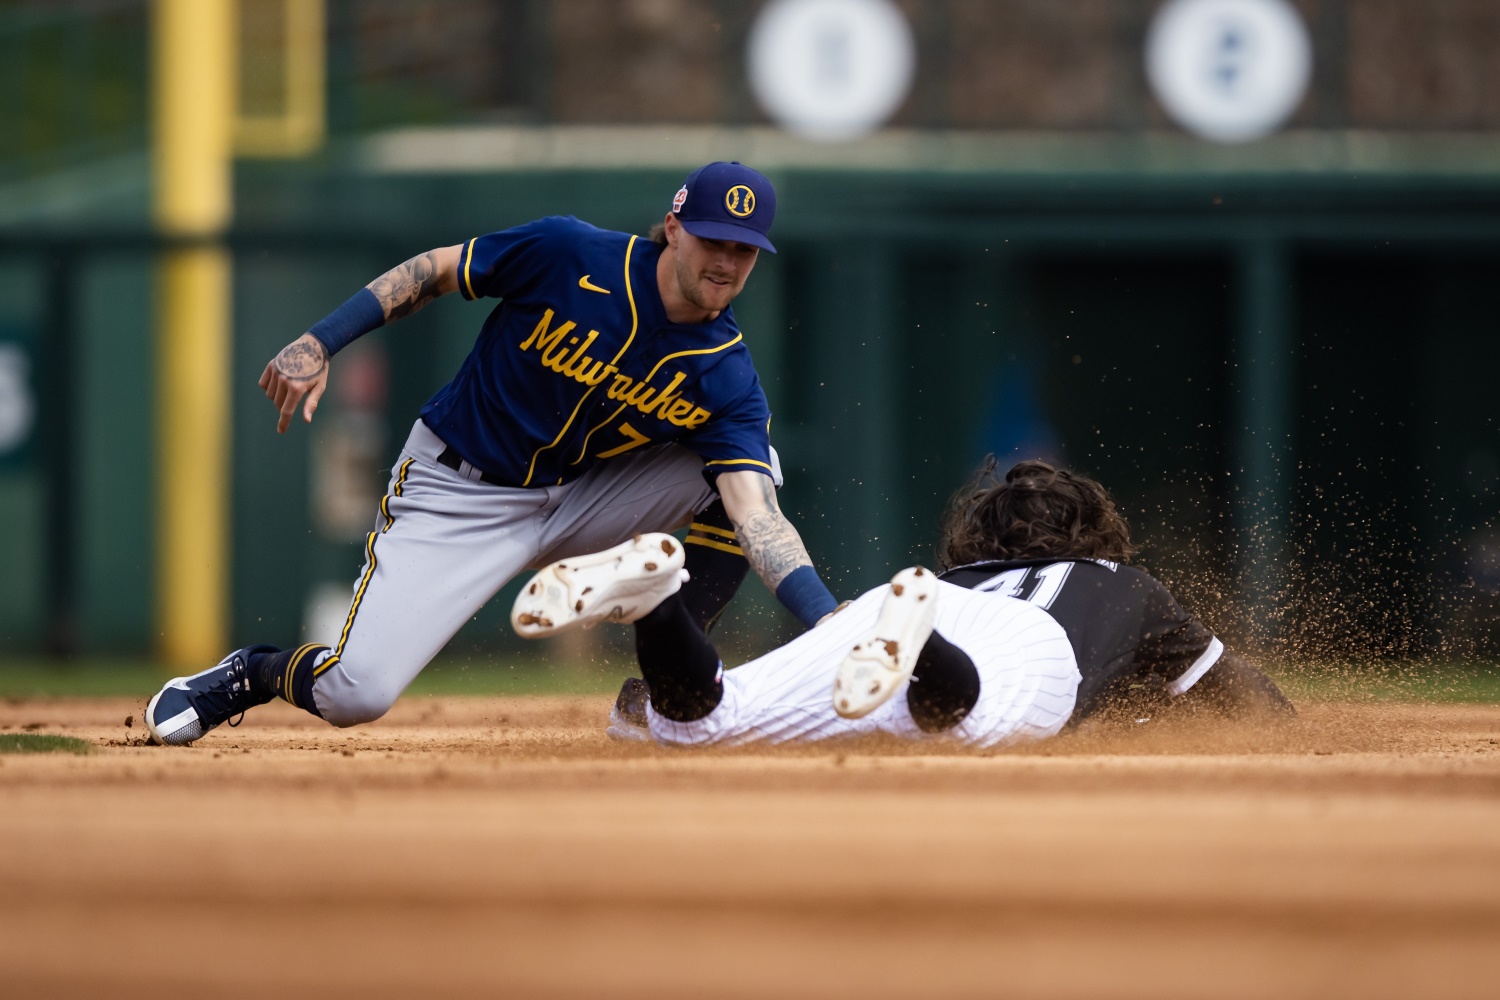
x,y
1278,353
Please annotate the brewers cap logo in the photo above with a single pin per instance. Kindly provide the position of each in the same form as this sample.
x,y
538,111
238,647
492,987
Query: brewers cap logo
x,y
740,201
679,198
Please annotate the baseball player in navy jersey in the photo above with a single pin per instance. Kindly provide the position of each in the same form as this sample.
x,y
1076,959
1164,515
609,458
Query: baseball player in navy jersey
x,y
610,393
1034,625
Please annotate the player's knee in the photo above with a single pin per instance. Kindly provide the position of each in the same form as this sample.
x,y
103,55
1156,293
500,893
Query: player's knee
x,y
356,705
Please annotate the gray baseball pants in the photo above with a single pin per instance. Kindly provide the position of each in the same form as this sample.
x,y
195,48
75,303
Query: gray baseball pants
x,y
445,542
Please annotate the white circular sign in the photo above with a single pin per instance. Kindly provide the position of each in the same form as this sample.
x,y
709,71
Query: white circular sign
x,y
1229,70
831,69
17,408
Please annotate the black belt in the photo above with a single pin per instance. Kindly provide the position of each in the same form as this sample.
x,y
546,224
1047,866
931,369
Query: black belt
x,y
455,461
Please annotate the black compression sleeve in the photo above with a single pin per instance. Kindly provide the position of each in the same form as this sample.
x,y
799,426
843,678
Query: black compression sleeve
x,y
944,686
680,665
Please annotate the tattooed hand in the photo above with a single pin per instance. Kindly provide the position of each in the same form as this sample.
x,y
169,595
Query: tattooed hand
x,y
299,371
772,546
302,359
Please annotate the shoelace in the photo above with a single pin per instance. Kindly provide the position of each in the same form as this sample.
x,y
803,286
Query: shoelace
x,y
226,690
239,678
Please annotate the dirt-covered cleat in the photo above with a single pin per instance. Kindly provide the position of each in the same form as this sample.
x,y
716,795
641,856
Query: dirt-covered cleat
x,y
627,718
188,707
617,585
876,666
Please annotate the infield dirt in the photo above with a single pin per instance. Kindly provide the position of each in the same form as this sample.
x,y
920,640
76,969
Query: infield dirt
x,y
505,847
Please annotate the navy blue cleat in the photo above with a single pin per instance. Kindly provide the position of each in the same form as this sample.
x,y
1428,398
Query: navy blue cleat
x,y
188,707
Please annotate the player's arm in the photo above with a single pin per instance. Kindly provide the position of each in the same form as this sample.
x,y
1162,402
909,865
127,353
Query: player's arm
x,y
772,546
1235,687
300,371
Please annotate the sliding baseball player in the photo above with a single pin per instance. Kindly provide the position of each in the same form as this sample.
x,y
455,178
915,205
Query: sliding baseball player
x,y
1036,624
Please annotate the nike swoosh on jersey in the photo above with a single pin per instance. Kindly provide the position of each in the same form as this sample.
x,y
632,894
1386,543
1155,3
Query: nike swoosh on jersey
x,y
589,286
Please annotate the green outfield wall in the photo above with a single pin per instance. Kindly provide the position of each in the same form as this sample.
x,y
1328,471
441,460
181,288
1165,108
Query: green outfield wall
x,y
1284,375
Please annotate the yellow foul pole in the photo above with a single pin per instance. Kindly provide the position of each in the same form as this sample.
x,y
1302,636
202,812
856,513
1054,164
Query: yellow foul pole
x,y
193,114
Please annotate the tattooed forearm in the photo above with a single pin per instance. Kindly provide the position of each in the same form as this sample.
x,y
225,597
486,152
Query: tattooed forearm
x,y
772,546
304,358
404,289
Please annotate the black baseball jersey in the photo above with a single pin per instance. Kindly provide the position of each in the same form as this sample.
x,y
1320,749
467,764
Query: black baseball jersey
x,y
1125,626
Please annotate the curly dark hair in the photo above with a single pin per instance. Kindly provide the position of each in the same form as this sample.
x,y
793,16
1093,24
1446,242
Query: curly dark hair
x,y
1036,512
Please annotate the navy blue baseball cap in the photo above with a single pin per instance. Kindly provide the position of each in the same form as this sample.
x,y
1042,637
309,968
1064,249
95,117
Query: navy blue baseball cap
x,y
727,201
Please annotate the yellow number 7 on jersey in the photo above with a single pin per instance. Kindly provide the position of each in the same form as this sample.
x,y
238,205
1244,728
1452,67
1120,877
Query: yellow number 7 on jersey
x,y
634,440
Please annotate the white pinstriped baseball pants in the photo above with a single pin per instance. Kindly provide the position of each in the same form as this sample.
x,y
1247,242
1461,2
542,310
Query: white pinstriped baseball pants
x,y
1027,672
445,542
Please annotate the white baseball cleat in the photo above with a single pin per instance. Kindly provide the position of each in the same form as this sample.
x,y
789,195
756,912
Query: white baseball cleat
x,y
875,667
617,585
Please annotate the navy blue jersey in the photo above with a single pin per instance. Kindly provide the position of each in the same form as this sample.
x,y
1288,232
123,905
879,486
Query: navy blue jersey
x,y
1126,628
579,362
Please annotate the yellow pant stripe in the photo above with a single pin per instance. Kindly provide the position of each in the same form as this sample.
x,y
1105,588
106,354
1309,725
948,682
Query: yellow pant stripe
x,y
364,582
359,594
709,529
385,501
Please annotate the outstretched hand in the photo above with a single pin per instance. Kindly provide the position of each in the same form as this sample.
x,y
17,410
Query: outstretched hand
x,y
841,607
299,371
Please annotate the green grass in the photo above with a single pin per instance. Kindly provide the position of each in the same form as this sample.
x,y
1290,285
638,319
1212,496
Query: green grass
x,y
462,677
1469,683
43,743
78,678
